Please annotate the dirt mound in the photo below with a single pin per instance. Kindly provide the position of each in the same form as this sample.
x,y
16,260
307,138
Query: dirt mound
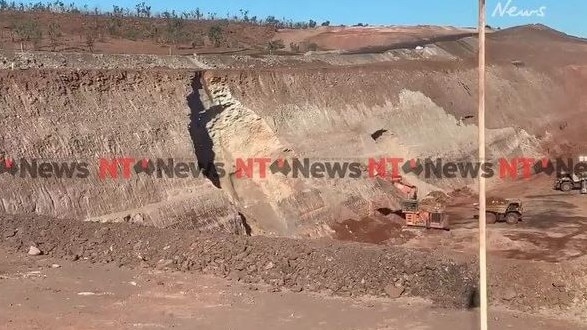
x,y
462,192
347,269
535,32
435,201
371,230
362,38
343,269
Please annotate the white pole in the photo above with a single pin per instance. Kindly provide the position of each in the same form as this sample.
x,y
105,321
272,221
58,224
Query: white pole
x,y
482,193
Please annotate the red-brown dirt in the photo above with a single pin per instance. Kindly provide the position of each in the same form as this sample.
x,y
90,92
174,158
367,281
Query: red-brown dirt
x,y
48,293
311,106
342,269
132,35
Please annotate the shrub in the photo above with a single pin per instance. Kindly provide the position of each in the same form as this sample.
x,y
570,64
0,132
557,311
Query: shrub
x,y
54,32
275,45
294,47
215,34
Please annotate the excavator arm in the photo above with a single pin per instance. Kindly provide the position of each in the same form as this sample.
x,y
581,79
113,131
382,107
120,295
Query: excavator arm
x,y
410,191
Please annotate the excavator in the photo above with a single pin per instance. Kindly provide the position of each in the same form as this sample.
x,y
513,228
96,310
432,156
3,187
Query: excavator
x,y
415,214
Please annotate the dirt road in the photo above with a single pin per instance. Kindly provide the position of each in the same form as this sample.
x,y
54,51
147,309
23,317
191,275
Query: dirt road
x,y
79,295
553,229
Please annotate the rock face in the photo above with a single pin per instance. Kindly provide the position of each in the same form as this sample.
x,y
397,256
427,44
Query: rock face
x,y
332,110
68,117
328,116
223,117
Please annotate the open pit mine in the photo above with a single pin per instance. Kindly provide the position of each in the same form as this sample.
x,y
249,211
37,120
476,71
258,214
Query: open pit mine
x,y
177,163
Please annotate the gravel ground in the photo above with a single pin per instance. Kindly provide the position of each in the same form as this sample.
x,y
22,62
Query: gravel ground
x,y
346,269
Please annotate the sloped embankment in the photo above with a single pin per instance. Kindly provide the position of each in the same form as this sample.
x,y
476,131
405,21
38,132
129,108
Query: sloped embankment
x,y
354,114
333,114
86,116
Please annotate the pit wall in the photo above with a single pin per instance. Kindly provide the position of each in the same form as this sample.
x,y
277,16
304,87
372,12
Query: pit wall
x,y
223,115
330,115
67,116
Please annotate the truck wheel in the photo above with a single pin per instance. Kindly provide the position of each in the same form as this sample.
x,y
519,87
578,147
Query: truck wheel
x,y
566,186
512,218
490,218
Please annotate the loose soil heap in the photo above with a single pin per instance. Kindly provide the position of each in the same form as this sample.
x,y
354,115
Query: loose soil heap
x,y
339,268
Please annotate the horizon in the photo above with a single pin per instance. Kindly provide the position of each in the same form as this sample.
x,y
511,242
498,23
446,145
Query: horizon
x,y
567,17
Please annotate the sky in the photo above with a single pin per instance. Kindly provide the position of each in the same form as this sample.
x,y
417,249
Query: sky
x,y
569,16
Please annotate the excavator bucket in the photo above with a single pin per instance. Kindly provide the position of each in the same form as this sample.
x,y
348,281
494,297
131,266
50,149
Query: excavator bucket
x,y
409,191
